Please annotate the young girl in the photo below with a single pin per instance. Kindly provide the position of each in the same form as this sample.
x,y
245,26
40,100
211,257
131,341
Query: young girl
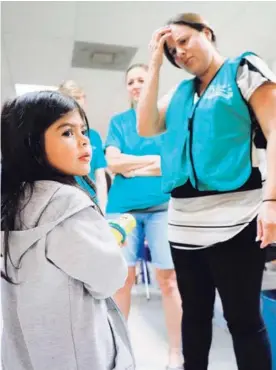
x,y
57,247
98,162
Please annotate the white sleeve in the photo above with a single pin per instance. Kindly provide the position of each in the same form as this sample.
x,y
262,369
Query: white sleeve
x,y
164,101
84,248
252,73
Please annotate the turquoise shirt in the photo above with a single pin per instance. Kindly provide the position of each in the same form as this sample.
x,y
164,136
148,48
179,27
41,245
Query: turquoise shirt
x,y
98,160
135,193
208,141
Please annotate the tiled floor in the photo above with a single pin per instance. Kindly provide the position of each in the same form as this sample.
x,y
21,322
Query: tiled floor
x,y
148,335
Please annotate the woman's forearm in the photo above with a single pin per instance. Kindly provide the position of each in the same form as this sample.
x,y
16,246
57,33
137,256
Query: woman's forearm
x,y
150,170
270,186
147,171
149,122
121,163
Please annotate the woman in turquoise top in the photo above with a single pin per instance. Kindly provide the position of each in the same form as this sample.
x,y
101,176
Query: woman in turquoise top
x,y
136,189
217,126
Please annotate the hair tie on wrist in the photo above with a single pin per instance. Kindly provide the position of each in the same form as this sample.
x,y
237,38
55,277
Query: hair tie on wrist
x,y
269,200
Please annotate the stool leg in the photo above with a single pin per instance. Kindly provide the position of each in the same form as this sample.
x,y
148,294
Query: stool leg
x,y
145,272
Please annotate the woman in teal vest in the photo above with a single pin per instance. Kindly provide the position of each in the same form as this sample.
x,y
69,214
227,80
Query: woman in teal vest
x,y
137,189
217,125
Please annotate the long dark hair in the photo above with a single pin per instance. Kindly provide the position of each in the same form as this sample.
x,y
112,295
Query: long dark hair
x,y
192,20
24,121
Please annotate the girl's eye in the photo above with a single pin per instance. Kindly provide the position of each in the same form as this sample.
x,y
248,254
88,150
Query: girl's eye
x,y
130,83
68,133
141,80
85,132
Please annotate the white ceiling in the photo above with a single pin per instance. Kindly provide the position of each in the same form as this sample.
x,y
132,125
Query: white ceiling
x,y
38,38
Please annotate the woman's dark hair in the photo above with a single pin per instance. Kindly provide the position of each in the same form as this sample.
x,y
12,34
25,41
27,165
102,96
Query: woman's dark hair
x,y
24,121
192,20
136,65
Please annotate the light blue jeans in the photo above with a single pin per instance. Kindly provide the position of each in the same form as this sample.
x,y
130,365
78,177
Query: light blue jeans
x,y
153,228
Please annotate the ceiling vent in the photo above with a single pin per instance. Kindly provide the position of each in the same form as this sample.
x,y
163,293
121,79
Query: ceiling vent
x,y
102,56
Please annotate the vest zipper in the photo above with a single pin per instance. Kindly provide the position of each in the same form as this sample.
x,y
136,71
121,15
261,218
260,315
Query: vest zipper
x,y
190,128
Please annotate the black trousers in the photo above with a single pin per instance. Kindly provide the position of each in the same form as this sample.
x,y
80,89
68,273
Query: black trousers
x,y
235,269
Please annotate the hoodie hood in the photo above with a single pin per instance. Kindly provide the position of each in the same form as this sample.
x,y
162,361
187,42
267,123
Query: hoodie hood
x,y
37,219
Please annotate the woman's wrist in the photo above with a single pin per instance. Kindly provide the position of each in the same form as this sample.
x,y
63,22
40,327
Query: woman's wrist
x,y
269,200
154,66
269,194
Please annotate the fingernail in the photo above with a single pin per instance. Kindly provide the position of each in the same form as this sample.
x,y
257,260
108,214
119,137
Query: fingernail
x,y
257,239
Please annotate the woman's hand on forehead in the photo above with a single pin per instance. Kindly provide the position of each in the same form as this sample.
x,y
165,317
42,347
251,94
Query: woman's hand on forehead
x,y
161,32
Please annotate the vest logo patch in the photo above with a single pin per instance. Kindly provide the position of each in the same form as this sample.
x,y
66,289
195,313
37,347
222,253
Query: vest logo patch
x,y
224,91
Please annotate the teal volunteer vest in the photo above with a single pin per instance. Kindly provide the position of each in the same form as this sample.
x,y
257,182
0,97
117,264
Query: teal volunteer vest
x,y
208,142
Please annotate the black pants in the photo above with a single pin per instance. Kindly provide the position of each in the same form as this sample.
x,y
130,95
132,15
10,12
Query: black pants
x,y
235,268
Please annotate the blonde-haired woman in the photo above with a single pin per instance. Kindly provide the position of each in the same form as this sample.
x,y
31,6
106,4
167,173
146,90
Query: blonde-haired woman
x,y
137,189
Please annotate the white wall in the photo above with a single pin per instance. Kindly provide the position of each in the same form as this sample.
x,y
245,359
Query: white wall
x,y
38,39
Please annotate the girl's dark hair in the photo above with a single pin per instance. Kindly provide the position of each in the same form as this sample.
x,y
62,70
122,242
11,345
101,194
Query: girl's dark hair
x,y
192,20
136,65
24,121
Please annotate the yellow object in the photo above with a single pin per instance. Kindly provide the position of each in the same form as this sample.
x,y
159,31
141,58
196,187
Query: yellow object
x,y
123,226
118,235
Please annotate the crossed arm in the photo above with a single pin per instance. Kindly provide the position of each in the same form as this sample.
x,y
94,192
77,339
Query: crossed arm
x,y
132,165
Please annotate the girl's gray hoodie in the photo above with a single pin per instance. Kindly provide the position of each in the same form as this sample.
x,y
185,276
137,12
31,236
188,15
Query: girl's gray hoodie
x,y
60,316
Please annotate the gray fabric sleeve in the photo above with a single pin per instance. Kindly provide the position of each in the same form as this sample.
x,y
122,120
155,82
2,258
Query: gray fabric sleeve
x,y
84,248
252,73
